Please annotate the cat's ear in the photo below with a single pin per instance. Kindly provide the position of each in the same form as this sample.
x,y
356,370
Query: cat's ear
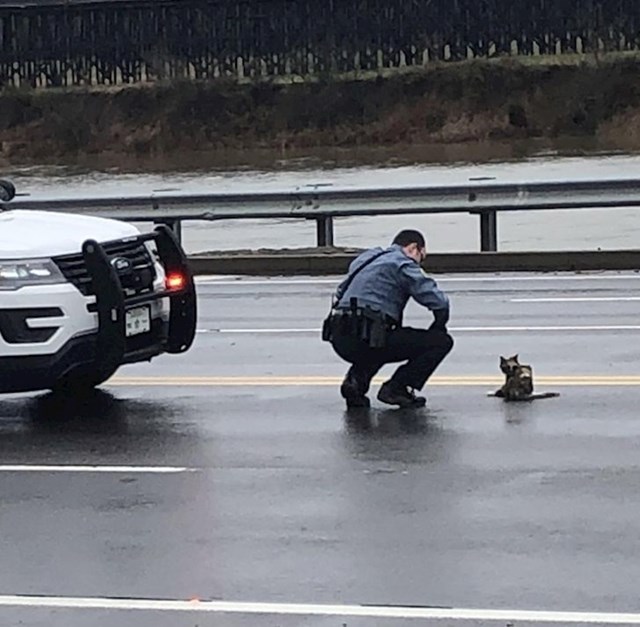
x,y
502,360
515,358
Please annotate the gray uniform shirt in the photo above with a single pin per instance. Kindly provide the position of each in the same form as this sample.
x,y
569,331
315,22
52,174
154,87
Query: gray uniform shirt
x,y
387,283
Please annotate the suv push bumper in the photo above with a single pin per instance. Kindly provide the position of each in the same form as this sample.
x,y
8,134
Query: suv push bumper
x,y
112,303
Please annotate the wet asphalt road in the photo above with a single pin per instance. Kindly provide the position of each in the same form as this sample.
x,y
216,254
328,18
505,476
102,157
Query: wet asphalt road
x,y
241,477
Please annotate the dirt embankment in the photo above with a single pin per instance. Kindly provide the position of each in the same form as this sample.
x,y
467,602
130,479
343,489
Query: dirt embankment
x,y
464,103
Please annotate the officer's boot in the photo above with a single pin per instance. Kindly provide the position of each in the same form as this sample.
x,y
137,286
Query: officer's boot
x,y
353,391
393,393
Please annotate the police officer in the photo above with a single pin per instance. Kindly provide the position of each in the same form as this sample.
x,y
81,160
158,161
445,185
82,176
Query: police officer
x,y
365,324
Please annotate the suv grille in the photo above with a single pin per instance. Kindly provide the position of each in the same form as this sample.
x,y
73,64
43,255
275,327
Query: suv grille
x,y
138,280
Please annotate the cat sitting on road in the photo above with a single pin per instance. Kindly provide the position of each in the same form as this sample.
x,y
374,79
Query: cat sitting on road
x,y
518,385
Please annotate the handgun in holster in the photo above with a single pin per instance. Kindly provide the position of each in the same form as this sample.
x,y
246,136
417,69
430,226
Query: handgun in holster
x,y
378,333
376,328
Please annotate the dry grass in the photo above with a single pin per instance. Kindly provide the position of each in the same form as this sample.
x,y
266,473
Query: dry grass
x,y
445,103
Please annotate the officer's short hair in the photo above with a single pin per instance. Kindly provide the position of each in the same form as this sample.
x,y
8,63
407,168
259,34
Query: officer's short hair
x,y
409,236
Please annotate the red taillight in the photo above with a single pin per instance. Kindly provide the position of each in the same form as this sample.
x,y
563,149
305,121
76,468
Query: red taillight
x,y
174,282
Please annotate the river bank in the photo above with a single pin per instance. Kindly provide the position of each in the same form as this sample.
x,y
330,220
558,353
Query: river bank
x,y
474,111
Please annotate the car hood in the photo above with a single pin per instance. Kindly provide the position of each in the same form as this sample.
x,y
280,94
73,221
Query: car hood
x,y
28,234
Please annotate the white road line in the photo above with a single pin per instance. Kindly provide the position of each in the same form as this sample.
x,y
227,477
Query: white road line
x,y
214,280
223,280
158,470
594,327
301,609
576,299
514,329
262,331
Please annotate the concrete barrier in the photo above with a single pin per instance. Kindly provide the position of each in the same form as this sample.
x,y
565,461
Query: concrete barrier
x,y
317,262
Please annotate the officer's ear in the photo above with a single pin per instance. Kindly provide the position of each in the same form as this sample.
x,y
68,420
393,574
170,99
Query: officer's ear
x,y
414,250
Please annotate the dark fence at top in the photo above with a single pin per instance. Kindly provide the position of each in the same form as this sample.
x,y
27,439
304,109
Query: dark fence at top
x,y
113,42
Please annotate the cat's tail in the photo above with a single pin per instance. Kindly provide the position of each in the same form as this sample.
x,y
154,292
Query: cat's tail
x,y
545,395
531,397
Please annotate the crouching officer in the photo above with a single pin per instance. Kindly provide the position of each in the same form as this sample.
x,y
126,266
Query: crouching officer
x,y
365,323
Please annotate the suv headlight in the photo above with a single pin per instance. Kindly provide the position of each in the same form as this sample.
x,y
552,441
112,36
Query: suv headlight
x,y
16,273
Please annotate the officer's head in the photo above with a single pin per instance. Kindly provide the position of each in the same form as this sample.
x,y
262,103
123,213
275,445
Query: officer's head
x,y
412,243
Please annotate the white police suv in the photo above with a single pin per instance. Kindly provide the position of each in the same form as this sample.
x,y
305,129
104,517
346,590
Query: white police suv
x,y
81,295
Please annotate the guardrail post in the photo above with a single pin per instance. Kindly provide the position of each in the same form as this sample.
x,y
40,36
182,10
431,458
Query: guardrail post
x,y
174,225
324,230
488,231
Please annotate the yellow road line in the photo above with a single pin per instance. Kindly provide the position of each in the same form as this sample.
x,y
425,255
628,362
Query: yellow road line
x,y
311,381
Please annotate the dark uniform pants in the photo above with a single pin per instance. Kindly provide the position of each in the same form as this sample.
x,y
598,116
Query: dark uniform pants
x,y
423,348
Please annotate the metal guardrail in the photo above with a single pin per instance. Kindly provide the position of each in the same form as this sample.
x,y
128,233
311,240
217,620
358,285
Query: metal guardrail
x,y
322,204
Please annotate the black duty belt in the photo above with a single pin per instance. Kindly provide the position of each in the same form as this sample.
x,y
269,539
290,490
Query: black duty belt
x,y
363,323
364,312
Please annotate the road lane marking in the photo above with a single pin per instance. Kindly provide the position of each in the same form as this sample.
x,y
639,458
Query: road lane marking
x,y
161,470
313,380
496,329
303,609
576,299
225,280
299,330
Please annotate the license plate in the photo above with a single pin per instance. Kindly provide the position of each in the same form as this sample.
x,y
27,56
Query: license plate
x,y
137,321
